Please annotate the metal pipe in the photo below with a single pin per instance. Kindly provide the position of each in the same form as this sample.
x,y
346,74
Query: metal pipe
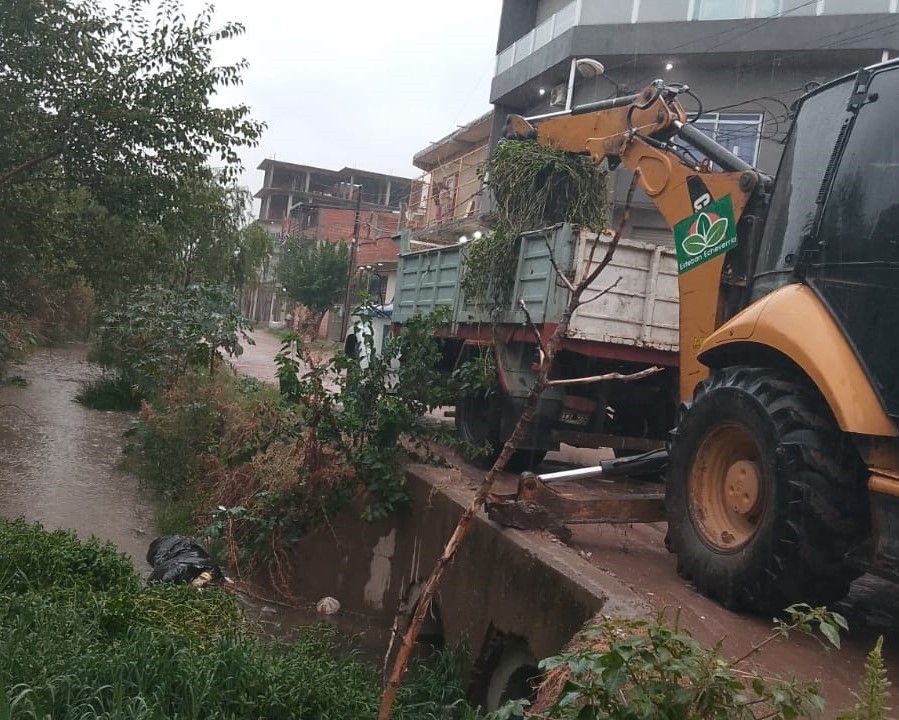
x,y
569,91
609,104
585,473
712,150
648,463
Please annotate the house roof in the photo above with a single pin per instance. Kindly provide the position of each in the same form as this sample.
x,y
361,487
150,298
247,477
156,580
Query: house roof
x,y
459,142
343,173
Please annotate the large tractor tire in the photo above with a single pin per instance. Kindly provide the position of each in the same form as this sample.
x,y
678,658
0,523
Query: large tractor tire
x,y
765,496
478,418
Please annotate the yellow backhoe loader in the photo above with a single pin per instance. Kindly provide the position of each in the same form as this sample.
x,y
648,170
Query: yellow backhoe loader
x,y
782,480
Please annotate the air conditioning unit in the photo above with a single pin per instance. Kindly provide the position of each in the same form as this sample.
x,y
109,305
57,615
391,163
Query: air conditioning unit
x,y
558,95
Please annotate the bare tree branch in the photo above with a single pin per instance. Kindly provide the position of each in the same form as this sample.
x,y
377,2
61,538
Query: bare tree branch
x,y
28,164
21,410
533,328
512,444
622,377
602,292
613,245
562,276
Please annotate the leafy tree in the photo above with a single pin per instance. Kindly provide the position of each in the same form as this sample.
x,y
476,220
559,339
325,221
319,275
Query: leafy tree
x,y
106,127
159,333
314,273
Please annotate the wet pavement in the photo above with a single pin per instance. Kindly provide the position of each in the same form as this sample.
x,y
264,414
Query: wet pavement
x,y
58,459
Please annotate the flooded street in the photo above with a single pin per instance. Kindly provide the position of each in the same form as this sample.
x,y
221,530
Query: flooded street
x,y
58,459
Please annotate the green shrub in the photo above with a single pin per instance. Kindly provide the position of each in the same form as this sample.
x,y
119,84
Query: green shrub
x,y
158,334
82,637
636,670
874,692
109,392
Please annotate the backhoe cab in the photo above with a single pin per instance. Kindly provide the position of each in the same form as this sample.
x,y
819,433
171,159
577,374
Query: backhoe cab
x,y
782,482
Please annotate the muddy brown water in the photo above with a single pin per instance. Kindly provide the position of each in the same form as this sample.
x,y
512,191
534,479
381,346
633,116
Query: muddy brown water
x,y
58,459
59,466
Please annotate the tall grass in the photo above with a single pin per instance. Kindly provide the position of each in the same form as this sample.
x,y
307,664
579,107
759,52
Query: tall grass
x,y
109,392
81,637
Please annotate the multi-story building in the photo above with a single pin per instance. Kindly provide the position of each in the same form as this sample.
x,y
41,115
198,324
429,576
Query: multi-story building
x,y
746,60
305,199
446,200
360,207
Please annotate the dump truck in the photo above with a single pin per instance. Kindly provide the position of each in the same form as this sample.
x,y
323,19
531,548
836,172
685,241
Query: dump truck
x,y
632,326
778,400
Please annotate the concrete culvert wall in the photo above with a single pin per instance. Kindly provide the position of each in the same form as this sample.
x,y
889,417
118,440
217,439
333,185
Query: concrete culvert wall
x,y
501,583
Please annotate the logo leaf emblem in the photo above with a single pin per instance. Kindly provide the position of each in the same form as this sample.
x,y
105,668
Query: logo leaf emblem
x,y
694,244
708,234
703,225
716,233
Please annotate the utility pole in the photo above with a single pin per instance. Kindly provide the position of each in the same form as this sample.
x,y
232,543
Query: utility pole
x,y
344,325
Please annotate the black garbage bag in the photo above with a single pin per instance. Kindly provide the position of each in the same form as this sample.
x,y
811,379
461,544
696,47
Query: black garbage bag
x,y
179,559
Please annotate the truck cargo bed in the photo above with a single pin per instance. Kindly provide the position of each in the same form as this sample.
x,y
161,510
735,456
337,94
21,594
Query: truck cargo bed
x,y
640,311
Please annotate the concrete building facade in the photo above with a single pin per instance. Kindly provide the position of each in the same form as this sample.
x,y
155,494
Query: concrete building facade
x,y
746,60
350,205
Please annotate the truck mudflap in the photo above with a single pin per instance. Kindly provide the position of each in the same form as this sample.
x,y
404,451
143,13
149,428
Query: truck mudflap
x,y
616,491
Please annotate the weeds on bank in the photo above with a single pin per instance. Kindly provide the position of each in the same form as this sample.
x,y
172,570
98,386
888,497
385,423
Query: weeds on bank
x,y
262,468
81,636
637,670
110,392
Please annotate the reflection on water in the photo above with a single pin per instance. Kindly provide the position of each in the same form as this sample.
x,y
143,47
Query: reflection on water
x,y
58,458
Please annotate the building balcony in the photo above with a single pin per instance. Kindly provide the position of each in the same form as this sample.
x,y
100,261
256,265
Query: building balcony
x,y
610,28
446,201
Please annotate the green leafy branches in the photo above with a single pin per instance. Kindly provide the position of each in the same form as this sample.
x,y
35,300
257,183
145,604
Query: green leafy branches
x,y
375,412
159,333
314,273
637,670
532,186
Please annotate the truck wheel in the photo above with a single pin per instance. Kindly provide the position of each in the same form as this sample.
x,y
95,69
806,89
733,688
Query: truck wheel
x,y
478,422
765,497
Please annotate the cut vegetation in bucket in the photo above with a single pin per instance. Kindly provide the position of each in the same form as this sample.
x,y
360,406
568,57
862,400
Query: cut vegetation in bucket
x,y
532,186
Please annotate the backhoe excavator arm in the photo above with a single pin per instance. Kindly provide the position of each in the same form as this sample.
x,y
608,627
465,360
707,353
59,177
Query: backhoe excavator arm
x,y
648,131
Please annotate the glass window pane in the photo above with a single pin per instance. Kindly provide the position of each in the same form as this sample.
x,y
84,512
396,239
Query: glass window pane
x,y
543,33
504,59
857,268
721,9
739,133
566,18
767,8
741,139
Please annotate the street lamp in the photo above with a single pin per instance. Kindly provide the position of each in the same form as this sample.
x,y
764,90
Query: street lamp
x,y
587,68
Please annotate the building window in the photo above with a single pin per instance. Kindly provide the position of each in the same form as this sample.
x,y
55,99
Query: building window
x,y
735,9
738,132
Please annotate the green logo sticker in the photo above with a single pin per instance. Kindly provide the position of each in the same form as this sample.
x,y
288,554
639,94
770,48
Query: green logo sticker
x,y
705,235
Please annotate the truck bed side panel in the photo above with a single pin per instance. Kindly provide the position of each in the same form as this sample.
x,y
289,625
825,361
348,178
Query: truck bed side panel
x,y
636,296
641,310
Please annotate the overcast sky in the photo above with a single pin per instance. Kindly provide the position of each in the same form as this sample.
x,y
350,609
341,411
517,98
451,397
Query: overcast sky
x,y
359,83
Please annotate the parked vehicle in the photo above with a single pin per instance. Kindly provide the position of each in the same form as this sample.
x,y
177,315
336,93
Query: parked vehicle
x,y
783,471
